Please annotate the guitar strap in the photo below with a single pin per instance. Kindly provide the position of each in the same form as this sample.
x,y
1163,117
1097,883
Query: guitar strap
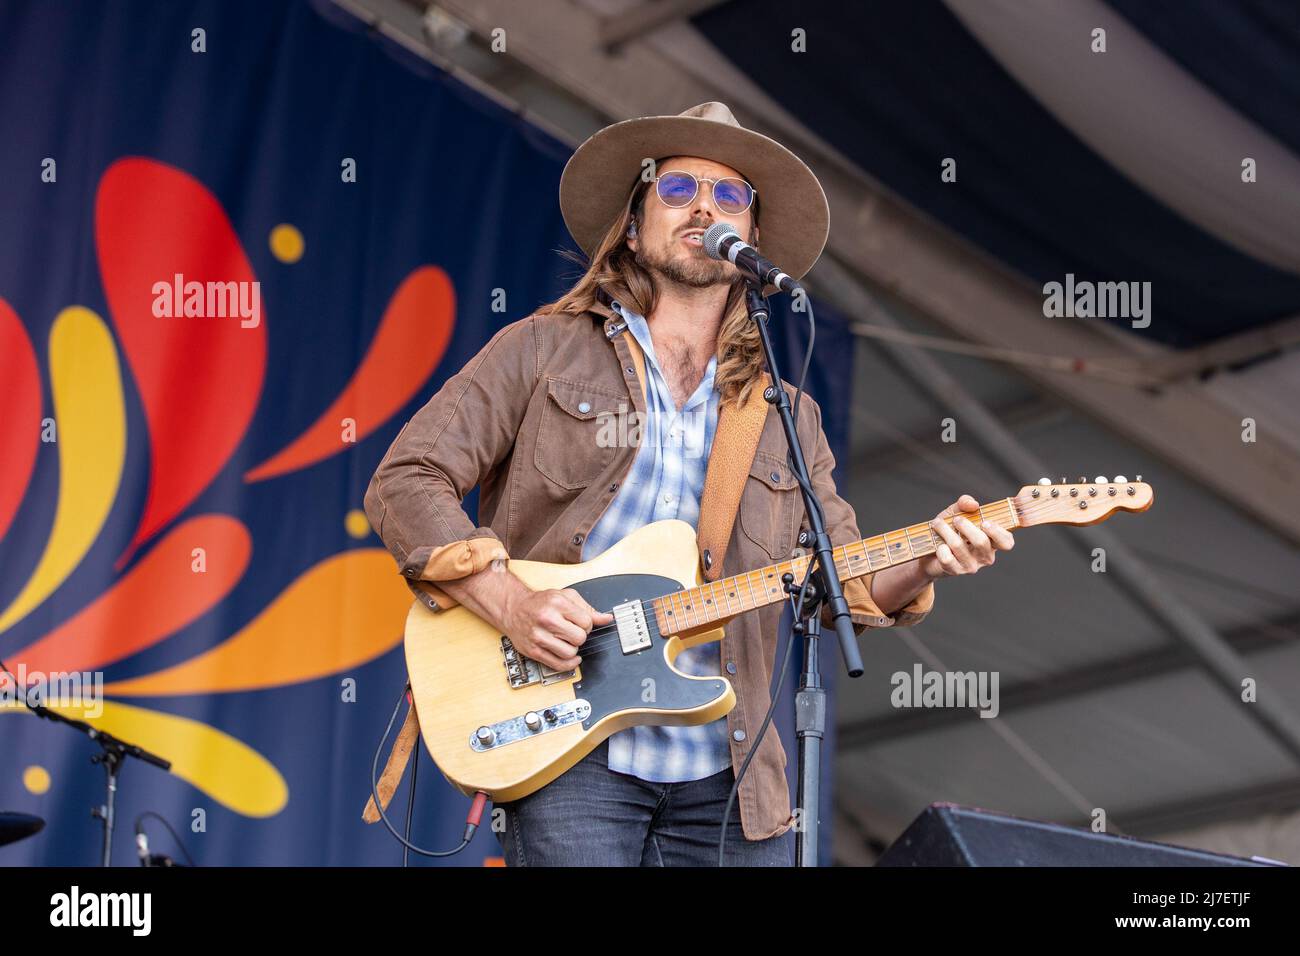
x,y
732,454
397,759
638,359
734,443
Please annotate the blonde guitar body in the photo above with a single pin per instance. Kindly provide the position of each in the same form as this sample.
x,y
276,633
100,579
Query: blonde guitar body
x,y
461,678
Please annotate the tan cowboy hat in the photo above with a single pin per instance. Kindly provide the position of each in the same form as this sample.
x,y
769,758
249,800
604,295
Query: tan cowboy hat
x,y
599,175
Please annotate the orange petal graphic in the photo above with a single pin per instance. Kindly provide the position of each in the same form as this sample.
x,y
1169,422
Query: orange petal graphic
x,y
341,613
156,598
407,347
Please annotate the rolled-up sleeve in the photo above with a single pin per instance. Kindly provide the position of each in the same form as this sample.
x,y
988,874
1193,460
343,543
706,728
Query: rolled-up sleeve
x,y
414,500
842,526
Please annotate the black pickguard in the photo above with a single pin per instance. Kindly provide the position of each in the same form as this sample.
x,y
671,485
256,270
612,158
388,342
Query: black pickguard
x,y
613,681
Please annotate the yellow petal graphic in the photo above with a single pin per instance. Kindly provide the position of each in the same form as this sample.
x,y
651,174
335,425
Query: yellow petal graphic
x,y
86,382
226,769
341,613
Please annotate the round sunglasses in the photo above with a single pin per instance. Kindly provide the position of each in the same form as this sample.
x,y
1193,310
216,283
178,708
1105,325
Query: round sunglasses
x,y
677,188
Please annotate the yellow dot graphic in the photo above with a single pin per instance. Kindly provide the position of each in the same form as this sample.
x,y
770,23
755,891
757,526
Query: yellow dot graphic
x,y
36,779
287,243
356,523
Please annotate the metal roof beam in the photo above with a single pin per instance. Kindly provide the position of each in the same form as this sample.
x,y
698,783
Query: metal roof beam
x,y
908,254
1231,350
644,19
1272,713
1243,803
1106,675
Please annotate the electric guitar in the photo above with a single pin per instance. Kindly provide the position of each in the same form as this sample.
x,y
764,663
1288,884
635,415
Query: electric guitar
x,y
496,721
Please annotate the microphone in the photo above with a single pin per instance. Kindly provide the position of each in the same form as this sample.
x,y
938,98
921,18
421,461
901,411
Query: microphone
x,y
721,241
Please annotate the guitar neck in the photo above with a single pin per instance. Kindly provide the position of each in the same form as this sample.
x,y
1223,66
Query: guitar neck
x,y
695,607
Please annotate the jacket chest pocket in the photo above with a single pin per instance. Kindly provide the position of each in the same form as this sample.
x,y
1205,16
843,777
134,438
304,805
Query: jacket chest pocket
x,y
579,432
770,505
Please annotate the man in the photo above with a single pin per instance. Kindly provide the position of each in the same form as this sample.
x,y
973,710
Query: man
x,y
524,420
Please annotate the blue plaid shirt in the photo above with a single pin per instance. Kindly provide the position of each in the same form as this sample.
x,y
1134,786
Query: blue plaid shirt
x,y
665,481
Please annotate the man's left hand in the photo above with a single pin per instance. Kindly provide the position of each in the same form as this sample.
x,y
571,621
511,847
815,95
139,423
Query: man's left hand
x,y
965,547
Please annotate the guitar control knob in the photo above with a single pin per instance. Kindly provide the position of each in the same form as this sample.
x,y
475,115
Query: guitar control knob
x,y
485,736
532,721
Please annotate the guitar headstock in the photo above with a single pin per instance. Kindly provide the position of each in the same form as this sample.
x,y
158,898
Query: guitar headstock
x,y
1086,502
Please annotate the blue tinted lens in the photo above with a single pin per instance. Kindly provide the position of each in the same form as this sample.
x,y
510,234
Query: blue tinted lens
x,y
733,196
676,189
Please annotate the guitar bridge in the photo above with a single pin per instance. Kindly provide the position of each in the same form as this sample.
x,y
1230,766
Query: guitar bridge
x,y
523,671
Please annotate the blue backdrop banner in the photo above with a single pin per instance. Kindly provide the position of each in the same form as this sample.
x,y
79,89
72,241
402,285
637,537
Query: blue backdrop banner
x,y
240,244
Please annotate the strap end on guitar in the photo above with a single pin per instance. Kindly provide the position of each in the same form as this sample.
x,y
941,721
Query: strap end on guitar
x,y
398,758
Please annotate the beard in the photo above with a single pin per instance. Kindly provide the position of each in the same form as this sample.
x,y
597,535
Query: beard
x,y
687,267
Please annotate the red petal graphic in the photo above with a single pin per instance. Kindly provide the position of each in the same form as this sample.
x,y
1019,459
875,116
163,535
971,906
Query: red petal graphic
x,y
407,347
199,377
155,599
20,420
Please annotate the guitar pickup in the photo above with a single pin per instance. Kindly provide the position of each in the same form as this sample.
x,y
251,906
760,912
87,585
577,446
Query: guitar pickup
x,y
633,632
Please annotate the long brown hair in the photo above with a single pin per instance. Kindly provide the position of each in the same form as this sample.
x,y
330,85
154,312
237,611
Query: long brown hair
x,y
614,271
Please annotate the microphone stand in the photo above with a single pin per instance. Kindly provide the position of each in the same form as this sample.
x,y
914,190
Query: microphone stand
x,y
114,752
810,701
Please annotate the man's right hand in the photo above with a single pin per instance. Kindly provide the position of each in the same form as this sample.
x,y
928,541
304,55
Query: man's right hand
x,y
550,625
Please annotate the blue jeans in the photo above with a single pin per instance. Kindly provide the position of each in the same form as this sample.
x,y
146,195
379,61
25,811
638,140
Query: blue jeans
x,y
594,816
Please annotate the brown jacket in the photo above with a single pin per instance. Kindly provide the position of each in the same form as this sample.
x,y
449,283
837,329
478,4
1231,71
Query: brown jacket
x,y
520,420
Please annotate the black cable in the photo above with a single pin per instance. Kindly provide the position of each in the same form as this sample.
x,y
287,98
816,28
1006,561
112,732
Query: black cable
x,y
807,357
5,668
798,394
410,803
797,608
374,792
189,860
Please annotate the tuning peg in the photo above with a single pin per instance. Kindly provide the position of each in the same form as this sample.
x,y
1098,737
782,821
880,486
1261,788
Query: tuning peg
x,y
1138,478
1083,479
1120,479
1063,481
1044,481
1100,480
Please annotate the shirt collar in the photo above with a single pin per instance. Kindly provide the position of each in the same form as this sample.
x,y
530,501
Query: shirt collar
x,y
640,329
